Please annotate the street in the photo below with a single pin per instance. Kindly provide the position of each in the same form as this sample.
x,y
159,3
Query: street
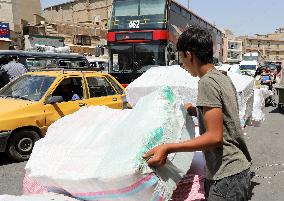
x,y
266,147
265,144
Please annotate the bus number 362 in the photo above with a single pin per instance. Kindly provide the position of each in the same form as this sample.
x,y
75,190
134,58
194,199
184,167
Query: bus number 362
x,y
134,24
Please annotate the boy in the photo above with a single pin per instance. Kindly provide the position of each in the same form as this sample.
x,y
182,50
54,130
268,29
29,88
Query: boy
x,y
227,158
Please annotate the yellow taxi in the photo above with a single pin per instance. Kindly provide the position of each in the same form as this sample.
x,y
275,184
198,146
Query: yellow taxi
x,y
30,104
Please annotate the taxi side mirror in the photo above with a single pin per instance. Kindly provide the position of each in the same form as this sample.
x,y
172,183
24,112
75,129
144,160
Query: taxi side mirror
x,y
54,99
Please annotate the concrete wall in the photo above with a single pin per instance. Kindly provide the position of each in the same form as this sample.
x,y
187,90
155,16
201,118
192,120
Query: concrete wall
x,y
25,9
80,11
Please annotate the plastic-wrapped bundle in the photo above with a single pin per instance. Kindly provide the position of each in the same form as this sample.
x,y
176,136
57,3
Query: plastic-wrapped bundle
x,y
41,197
244,86
260,94
186,87
181,82
96,153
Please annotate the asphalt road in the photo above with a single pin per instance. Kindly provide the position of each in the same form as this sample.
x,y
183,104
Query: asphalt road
x,y
12,175
266,144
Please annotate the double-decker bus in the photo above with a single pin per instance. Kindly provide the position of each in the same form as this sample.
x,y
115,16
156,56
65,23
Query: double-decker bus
x,y
143,34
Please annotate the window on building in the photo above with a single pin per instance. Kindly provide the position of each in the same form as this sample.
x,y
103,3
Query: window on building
x,y
277,46
258,44
268,44
82,40
250,43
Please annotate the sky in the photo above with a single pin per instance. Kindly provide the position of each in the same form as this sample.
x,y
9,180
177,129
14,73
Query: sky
x,y
243,17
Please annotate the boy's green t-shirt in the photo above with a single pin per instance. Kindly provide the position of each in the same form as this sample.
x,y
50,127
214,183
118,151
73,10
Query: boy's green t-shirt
x,y
216,90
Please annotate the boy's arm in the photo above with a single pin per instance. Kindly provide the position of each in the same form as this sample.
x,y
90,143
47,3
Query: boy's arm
x,y
213,118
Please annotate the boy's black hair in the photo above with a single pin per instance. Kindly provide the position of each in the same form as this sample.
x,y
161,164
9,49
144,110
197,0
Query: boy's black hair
x,y
197,41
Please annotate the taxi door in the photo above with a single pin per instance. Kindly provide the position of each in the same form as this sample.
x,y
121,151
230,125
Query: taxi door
x,y
101,92
73,92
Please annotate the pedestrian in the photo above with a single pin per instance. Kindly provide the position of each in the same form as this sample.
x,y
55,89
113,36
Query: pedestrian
x,y
14,68
227,158
277,75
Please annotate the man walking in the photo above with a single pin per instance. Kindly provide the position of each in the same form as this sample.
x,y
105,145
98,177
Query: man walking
x,y
14,69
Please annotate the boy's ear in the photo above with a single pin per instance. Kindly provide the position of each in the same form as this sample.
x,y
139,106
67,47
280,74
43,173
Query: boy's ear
x,y
189,55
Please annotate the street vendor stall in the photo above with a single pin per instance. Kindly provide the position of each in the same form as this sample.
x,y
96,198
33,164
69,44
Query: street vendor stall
x,y
280,91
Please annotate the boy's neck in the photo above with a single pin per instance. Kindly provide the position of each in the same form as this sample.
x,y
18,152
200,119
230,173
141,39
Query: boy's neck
x,y
203,69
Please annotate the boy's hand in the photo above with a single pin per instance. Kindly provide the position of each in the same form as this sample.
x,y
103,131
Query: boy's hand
x,y
191,110
188,106
157,157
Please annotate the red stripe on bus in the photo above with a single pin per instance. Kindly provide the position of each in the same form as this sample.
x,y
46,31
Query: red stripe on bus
x,y
157,35
160,35
111,36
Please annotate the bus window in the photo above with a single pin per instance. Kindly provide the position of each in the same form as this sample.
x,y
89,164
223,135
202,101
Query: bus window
x,y
127,14
175,8
150,7
120,58
148,56
126,8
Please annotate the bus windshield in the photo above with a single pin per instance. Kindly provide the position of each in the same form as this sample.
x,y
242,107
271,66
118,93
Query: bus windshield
x,y
138,57
138,14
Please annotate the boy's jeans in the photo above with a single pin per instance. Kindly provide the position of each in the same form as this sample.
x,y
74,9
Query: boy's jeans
x,y
232,188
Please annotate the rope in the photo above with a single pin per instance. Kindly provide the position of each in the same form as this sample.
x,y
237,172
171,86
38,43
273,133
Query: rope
x,y
269,165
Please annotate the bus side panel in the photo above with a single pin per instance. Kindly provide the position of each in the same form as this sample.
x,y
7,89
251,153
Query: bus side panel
x,y
180,18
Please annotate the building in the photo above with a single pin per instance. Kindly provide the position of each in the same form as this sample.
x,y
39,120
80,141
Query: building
x,y
232,48
13,11
83,23
4,43
271,46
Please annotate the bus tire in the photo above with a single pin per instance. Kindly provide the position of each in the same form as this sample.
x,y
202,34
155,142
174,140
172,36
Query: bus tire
x,y
21,145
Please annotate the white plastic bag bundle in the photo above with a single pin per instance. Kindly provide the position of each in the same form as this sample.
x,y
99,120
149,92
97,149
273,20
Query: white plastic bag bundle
x,y
260,94
244,86
181,82
41,197
96,153
186,86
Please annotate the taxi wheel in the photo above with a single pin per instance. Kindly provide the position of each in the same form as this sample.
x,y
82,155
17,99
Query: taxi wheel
x,y
21,145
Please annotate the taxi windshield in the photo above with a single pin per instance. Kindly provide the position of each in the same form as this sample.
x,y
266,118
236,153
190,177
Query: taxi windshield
x,y
27,87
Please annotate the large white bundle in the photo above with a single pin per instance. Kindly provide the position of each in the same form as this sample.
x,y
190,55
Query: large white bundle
x,y
176,77
186,87
244,86
260,94
41,197
96,153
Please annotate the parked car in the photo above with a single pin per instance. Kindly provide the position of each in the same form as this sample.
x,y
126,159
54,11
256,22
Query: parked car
x,y
36,60
43,59
98,63
31,103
